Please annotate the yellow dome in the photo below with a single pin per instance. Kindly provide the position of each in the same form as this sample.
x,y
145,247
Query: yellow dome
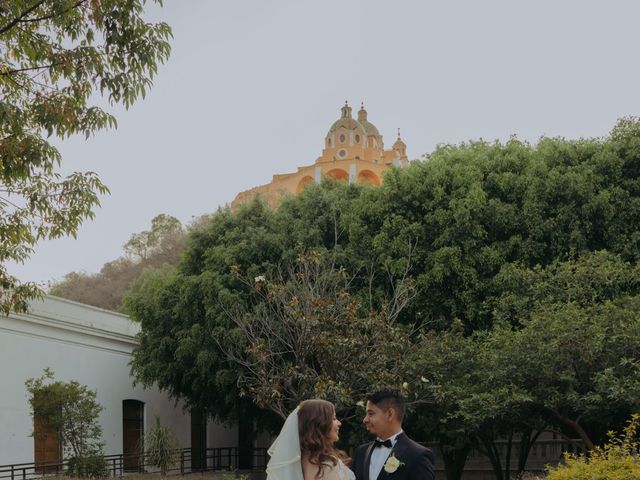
x,y
399,142
347,122
369,127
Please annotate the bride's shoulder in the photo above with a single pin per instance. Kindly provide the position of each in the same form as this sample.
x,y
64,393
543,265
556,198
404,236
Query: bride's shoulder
x,y
330,470
344,472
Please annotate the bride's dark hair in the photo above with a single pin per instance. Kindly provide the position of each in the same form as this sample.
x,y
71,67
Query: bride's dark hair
x,y
315,420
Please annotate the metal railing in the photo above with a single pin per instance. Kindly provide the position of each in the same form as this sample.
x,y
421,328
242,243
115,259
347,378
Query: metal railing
x,y
212,459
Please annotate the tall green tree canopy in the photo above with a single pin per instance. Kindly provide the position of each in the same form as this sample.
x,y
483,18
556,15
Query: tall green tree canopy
x,y
54,55
474,208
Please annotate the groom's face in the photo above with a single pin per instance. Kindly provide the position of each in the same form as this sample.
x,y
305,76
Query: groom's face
x,y
375,419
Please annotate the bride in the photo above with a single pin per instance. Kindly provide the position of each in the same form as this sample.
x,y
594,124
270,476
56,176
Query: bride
x,y
304,449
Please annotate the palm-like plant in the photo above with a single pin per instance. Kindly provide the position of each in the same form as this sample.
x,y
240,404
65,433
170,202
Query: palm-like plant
x,y
161,447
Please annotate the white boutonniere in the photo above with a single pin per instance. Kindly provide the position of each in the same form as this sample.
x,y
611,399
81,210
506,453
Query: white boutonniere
x,y
392,464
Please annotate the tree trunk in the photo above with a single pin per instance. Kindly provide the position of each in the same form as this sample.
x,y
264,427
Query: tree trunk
x,y
454,460
576,427
491,452
507,460
526,442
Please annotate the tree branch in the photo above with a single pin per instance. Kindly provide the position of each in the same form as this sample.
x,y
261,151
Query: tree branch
x,y
47,17
19,18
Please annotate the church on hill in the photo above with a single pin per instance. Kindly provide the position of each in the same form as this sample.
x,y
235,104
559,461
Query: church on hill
x,y
353,151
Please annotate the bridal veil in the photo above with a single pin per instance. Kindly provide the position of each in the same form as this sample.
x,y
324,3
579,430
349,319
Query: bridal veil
x,y
285,462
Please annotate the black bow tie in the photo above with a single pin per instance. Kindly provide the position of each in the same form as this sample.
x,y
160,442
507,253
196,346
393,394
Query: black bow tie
x,y
379,443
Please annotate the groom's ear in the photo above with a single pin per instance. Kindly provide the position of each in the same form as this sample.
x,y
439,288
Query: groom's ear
x,y
391,414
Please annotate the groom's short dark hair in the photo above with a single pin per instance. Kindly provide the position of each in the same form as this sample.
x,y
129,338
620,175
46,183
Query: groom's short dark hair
x,y
388,397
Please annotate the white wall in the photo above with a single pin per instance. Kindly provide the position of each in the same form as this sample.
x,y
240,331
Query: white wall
x,y
92,346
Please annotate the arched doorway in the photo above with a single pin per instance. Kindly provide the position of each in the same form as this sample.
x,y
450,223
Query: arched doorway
x,y
302,184
338,174
368,177
132,434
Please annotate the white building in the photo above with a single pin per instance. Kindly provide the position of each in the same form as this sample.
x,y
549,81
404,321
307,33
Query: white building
x,y
92,346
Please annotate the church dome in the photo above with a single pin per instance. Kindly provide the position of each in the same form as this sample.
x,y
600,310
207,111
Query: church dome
x,y
369,128
347,122
399,143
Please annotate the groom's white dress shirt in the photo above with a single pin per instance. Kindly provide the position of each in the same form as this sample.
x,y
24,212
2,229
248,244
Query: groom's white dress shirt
x,y
379,456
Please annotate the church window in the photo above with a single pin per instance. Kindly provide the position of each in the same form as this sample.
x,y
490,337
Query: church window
x,y
357,138
342,138
342,153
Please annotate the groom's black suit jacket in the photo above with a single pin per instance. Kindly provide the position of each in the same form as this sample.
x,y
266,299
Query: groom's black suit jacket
x,y
418,461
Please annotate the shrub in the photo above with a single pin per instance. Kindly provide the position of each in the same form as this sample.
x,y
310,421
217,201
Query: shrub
x,y
91,466
161,447
231,476
617,460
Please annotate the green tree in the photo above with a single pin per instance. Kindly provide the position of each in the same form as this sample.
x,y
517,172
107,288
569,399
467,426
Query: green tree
x,y
54,55
472,208
166,232
72,411
305,336
616,460
575,354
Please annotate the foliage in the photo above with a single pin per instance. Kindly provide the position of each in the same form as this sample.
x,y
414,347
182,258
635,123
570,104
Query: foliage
x,y
54,55
155,248
472,208
618,459
575,355
178,310
166,231
90,466
231,476
305,336
72,411
161,447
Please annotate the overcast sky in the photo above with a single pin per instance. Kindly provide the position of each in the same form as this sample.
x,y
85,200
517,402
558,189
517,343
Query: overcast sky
x,y
252,86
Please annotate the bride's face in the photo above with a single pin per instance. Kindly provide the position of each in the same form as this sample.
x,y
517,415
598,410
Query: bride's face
x,y
335,430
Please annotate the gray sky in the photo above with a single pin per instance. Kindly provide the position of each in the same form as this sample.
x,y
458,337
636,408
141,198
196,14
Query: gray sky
x,y
252,87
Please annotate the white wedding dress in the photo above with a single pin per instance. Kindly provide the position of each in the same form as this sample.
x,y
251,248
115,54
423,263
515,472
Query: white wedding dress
x,y
286,462
330,472
345,472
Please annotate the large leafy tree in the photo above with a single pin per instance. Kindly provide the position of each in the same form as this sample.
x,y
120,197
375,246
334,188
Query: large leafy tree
x,y
472,208
304,335
575,355
54,55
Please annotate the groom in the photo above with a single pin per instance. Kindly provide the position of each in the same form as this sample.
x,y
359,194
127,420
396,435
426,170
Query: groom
x,y
392,455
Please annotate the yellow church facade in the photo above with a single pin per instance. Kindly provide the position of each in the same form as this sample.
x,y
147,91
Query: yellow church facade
x,y
353,152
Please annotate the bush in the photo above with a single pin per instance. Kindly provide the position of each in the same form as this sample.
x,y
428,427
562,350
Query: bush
x,y
161,447
91,466
617,460
231,476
